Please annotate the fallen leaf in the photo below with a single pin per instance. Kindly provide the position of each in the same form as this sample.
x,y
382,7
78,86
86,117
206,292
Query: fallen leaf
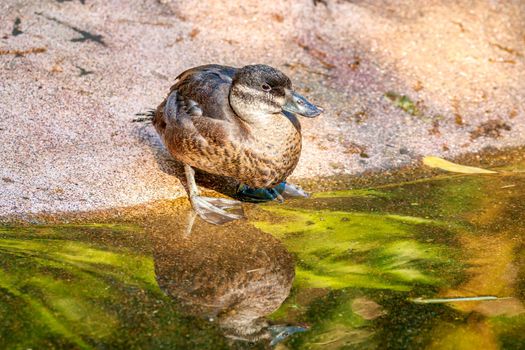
x,y
436,162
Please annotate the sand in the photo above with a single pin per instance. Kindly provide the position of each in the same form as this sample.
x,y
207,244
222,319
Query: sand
x,y
74,74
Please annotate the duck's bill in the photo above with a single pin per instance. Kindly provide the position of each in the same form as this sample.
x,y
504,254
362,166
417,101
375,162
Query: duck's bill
x,y
299,105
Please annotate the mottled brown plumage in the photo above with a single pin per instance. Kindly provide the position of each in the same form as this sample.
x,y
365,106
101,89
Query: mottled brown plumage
x,y
237,277
233,122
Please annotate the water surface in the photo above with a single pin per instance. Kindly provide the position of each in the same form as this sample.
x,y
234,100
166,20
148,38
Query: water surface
x,y
354,269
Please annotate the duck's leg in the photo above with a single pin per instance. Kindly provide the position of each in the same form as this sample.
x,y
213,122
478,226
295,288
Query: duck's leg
x,y
284,189
190,221
290,190
212,210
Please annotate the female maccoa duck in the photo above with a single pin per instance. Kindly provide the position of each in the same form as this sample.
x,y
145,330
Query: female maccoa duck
x,y
238,123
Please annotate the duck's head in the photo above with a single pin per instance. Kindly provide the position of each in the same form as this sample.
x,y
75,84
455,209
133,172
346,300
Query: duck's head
x,y
259,90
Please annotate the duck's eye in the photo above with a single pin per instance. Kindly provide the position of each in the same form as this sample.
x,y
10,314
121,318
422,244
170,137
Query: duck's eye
x,y
266,87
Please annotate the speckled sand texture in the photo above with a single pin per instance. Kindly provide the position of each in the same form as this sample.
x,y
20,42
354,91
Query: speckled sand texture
x,y
85,68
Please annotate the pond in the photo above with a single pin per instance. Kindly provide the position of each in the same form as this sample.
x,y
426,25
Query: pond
x,y
436,262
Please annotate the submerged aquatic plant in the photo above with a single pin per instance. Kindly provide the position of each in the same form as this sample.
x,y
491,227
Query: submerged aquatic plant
x,y
409,256
75,286
400,266
337,249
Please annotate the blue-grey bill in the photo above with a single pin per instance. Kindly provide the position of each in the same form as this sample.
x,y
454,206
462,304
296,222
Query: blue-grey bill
x,y
299,105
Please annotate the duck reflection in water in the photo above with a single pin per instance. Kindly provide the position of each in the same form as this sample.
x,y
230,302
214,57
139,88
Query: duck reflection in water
x,y
232,274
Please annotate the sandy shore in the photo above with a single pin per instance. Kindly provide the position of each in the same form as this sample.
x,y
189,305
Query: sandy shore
x,y
397,81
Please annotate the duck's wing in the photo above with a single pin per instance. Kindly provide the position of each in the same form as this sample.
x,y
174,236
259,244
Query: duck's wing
x,y
197,107
209,87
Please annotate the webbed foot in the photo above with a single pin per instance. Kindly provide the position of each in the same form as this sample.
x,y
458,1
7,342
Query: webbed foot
x,y
217,211
257,195
249,194
291,190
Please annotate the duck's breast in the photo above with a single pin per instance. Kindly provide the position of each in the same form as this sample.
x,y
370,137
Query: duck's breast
x,y
272,153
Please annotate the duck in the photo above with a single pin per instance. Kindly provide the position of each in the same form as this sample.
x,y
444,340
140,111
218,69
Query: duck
x,y
239,123
235,277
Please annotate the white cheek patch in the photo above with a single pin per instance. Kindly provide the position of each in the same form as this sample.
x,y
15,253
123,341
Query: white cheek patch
x,y
258,96
248,90
253,102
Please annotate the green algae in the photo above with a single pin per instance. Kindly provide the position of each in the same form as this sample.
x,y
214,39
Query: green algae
x,y
350,193
405,103
361,257
338,249
62,293
454,242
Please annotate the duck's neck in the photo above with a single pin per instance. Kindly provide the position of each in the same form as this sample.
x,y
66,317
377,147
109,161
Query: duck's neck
x,y
269,131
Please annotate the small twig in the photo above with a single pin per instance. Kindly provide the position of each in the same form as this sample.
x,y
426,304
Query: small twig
x,y
507,49
255,270
23,52
456,299
508,186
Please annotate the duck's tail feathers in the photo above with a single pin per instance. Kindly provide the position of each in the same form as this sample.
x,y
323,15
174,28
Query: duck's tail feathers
x,y
145,116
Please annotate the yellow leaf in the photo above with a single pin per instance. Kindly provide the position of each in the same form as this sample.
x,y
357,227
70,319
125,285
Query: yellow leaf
x,y
436,162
